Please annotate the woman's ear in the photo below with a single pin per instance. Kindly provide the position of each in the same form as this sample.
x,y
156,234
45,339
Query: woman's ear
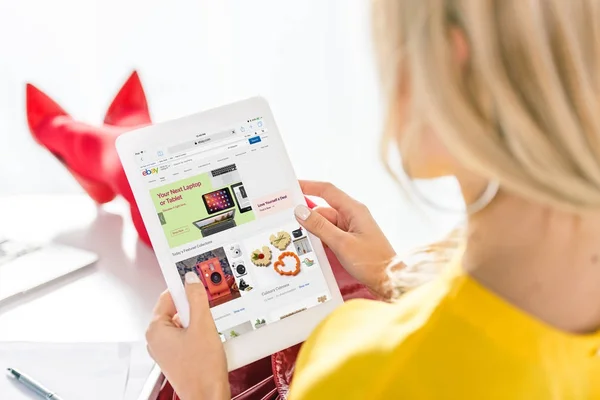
x,y
460,47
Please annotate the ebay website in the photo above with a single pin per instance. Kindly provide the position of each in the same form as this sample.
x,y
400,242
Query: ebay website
x,y
226,208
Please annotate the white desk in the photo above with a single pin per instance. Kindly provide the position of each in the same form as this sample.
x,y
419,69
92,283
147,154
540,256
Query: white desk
x,y
111,301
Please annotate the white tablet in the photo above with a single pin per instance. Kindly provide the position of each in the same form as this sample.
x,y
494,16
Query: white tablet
x,y
217,191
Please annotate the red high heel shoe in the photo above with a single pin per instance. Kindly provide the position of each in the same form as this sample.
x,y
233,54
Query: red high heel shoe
x,y
88,152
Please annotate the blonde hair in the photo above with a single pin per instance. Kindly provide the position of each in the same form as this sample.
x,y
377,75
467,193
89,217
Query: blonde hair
x,y
524,110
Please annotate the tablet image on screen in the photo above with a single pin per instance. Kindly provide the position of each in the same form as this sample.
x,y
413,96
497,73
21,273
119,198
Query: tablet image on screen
x,y
218,201
241,196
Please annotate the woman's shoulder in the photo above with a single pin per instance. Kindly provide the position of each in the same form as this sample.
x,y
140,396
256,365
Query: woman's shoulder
x,y
360,339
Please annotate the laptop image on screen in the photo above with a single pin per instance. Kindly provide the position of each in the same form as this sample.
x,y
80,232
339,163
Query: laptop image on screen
x,y
216,223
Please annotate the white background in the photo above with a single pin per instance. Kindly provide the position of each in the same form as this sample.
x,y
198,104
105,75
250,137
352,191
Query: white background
x,y
312,59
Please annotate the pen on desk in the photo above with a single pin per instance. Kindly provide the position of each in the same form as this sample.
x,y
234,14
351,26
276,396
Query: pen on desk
x,y
33,385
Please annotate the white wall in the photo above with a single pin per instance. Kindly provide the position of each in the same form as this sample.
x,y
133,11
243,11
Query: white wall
x,y
311,59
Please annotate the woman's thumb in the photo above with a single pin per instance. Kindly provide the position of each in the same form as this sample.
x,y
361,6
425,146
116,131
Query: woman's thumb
x,y
319,226
197,298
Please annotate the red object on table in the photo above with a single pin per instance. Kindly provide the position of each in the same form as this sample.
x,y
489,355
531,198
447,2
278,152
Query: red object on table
x,y
88,151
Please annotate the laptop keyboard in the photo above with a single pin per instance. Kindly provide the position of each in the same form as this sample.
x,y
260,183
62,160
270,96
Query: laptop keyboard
x,y
13,249
223,170
217,227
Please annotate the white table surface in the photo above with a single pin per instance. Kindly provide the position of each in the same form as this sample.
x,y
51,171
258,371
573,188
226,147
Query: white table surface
x,y
110,301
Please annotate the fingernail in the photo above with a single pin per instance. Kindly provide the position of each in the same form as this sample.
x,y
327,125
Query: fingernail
x,y
191,278
302,212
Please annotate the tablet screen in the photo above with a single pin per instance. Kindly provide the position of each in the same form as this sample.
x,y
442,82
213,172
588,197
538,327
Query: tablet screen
x,y
224,199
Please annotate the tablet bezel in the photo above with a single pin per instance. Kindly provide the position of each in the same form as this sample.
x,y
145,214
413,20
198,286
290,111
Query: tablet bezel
x,y
275,336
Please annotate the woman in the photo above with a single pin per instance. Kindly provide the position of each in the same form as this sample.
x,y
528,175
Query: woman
x,y
503,95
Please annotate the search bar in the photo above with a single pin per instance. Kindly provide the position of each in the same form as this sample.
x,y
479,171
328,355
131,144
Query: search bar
x,y
202,140
214,150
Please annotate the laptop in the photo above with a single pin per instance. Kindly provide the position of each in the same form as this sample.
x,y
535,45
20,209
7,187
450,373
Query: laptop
x,y
216,223
25,266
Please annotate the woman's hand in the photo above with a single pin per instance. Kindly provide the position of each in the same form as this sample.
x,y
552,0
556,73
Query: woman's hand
x,y
350,231
192,358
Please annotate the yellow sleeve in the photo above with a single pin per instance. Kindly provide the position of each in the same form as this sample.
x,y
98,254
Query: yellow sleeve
x,y
339,360
362,348
438,342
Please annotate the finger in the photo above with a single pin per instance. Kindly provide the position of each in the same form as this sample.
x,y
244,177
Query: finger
x,y
197,298
165,308
329,213
320,226
332,195
177,321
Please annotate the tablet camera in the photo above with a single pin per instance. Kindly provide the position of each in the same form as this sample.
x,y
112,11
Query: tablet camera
x,y
239,269
235,250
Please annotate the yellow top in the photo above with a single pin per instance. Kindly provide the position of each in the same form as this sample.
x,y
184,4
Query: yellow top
x,y
449,339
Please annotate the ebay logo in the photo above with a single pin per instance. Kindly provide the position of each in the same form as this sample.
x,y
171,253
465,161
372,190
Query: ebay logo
x,y
150,171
